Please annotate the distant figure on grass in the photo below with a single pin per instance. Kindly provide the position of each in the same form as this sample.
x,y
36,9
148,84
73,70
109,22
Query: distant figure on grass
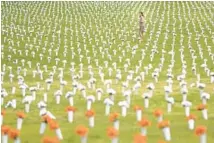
x,y
141,24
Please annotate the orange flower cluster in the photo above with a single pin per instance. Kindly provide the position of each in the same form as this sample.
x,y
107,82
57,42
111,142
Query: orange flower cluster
x,y
89,113
20,115
81,131
5,129
46,119
200,130
3,112
70,108
144,122
158,112
112,132
138,138
14,133
113,117
201,107
53,125
50,140
136,107
191,117
163,124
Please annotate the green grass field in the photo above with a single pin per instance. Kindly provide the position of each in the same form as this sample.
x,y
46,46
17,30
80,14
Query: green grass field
x,y
69,27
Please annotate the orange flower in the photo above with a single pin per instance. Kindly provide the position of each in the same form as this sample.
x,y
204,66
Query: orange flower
x,y
112,132
13,133
138,138
50,140
191,117
70,108
163,124
89,113
201,107
46,119
136,107
53,125
158,112
82,130
200,130
3,112
113,117
20,115
144,123
5,129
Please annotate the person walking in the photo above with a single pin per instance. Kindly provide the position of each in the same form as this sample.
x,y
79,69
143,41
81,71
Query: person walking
x,y
141,25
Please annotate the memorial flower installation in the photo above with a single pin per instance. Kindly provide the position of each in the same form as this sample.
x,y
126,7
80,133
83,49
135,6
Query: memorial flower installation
x,y
55,126
203,109
82,131
144,123
159,114
191,121
5,131
164,126
90,114
70,110
14,135
139,138
114,117
45,120
20,118
113,134
47,139
138,111
201,132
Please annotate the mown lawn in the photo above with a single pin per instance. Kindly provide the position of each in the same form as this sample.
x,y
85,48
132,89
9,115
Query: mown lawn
x,y
114,23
